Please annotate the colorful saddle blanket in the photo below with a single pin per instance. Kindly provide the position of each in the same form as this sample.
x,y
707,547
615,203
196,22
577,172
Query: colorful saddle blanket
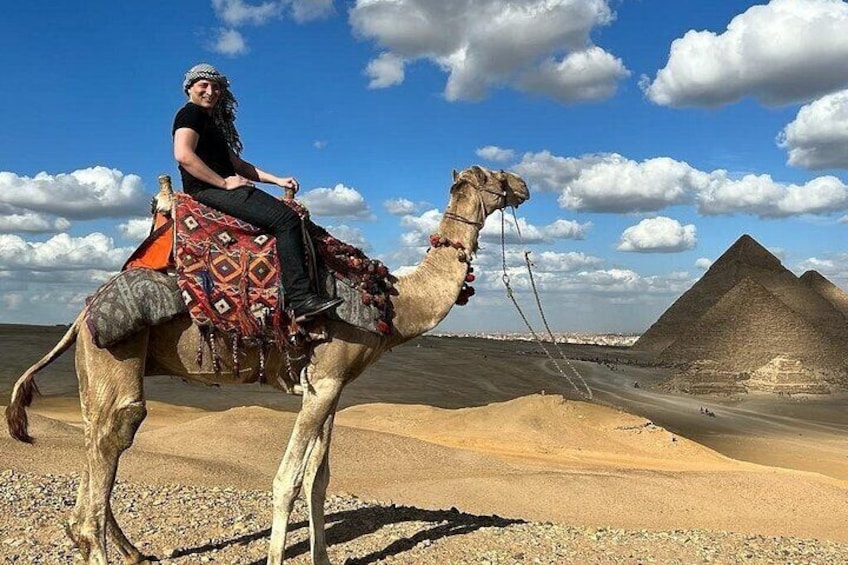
x,y
228,273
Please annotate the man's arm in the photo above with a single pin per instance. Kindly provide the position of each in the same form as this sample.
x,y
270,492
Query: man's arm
x,y
251,171
185,147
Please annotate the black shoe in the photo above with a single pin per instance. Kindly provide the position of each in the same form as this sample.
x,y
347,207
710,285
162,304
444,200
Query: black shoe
x,y
314,305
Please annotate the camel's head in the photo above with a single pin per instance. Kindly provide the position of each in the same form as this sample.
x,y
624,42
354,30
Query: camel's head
x,y
496,189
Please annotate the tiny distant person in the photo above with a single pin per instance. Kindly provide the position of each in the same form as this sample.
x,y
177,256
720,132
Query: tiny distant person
x,y
208,150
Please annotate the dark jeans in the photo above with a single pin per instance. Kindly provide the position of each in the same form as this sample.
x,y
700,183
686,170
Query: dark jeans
x,y
266,212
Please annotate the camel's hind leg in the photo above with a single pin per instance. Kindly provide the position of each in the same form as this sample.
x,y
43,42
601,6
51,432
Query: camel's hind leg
x,y
113,408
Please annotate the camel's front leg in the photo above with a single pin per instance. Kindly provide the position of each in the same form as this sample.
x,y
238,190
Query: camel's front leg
x,y
315,483
318,404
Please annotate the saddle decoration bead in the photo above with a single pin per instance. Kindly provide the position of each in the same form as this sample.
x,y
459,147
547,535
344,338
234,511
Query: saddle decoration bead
x,y
467,291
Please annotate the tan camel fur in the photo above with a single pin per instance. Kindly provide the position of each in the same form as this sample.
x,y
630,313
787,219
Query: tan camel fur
x,y
112,397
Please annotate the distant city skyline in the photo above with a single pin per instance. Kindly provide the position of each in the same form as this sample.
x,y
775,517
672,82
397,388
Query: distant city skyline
x,y
652,136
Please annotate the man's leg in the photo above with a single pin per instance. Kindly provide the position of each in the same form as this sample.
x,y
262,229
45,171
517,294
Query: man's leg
x,y
266,212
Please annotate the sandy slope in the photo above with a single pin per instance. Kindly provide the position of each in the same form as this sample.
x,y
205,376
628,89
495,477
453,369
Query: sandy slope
x,y
536,458
459,423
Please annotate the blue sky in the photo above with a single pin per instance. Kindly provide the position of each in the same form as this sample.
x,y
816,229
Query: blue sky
x,y
652,134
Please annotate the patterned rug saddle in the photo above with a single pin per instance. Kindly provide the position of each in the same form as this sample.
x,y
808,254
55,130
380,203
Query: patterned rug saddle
x,y
226,272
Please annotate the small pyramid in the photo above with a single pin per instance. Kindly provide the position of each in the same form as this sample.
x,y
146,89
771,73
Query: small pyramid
x,y
827,290
747,328
744,259
788,376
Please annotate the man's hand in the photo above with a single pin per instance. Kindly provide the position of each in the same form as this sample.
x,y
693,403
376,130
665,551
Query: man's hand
x,y
236,181
289,184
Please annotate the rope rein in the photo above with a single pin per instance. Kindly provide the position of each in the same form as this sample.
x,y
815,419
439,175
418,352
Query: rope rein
x,y
509,292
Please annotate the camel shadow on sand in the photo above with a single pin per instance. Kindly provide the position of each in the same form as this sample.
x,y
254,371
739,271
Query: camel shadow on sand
x,y
351,524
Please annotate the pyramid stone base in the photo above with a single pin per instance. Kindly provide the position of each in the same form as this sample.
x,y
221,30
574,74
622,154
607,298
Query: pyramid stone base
x,y
706,377
788,376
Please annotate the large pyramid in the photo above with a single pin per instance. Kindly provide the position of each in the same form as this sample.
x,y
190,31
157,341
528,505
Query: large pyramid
x,y
747,328
750,324
745,258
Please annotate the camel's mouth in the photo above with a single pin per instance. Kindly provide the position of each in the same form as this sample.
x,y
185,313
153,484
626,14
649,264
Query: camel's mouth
x,y
517,192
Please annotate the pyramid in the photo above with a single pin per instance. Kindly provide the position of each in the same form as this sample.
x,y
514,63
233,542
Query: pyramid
x,y
744,259
747,328
827,290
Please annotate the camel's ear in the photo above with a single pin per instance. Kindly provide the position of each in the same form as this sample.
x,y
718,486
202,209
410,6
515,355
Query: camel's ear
x,y
455,175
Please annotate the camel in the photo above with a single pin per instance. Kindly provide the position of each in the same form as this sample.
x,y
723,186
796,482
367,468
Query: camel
x,y
112,396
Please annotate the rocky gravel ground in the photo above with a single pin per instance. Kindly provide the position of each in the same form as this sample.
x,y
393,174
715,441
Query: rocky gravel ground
x,y
184,525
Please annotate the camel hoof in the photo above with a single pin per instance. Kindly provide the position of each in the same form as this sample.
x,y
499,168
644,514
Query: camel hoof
x,y
72,532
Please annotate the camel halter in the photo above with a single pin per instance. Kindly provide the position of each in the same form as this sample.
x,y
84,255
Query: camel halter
x,y
477,191
510,293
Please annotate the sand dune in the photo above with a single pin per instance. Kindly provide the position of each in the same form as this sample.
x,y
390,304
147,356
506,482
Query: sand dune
x,y
537,458
495,446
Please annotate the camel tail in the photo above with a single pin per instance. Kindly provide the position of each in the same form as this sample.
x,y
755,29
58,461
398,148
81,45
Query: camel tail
x,y
25,389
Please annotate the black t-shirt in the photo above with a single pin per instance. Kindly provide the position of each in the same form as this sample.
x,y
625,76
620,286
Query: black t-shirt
x,y
212,148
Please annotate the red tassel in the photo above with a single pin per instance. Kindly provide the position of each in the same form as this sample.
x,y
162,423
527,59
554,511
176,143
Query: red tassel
x,y
469,278
383,327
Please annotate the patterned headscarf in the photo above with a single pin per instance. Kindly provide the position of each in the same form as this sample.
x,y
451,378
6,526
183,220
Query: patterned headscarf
x,y
224,112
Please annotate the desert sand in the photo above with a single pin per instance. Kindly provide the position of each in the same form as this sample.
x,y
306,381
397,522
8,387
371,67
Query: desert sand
x,y
452,451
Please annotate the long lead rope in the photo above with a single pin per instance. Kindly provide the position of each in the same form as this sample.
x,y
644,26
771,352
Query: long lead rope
x,y
509,292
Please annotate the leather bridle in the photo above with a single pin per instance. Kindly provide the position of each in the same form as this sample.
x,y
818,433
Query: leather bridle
x,y
483,212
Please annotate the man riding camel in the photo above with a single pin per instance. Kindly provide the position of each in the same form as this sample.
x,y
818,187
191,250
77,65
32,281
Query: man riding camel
x,y
208,150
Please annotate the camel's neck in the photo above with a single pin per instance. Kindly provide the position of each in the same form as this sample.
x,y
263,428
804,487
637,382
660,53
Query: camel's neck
x,y
426,295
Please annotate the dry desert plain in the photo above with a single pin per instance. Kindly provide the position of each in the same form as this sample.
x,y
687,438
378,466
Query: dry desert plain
x,y
450,450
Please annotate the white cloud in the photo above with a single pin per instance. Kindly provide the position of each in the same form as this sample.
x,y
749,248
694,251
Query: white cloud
x,y
567,229
385,70
703,263
491,260
553,262
587,75
319,144
32,223
548,172
530,234
818,137
45,303
61,253
814,264
339,202
525,233
611,283
237,12
786,51
658,235
489,43
612,183
229,42
425,224
495,153
135,229
308,10
84,194
350,235
778,252
843,220
399,206
760,195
